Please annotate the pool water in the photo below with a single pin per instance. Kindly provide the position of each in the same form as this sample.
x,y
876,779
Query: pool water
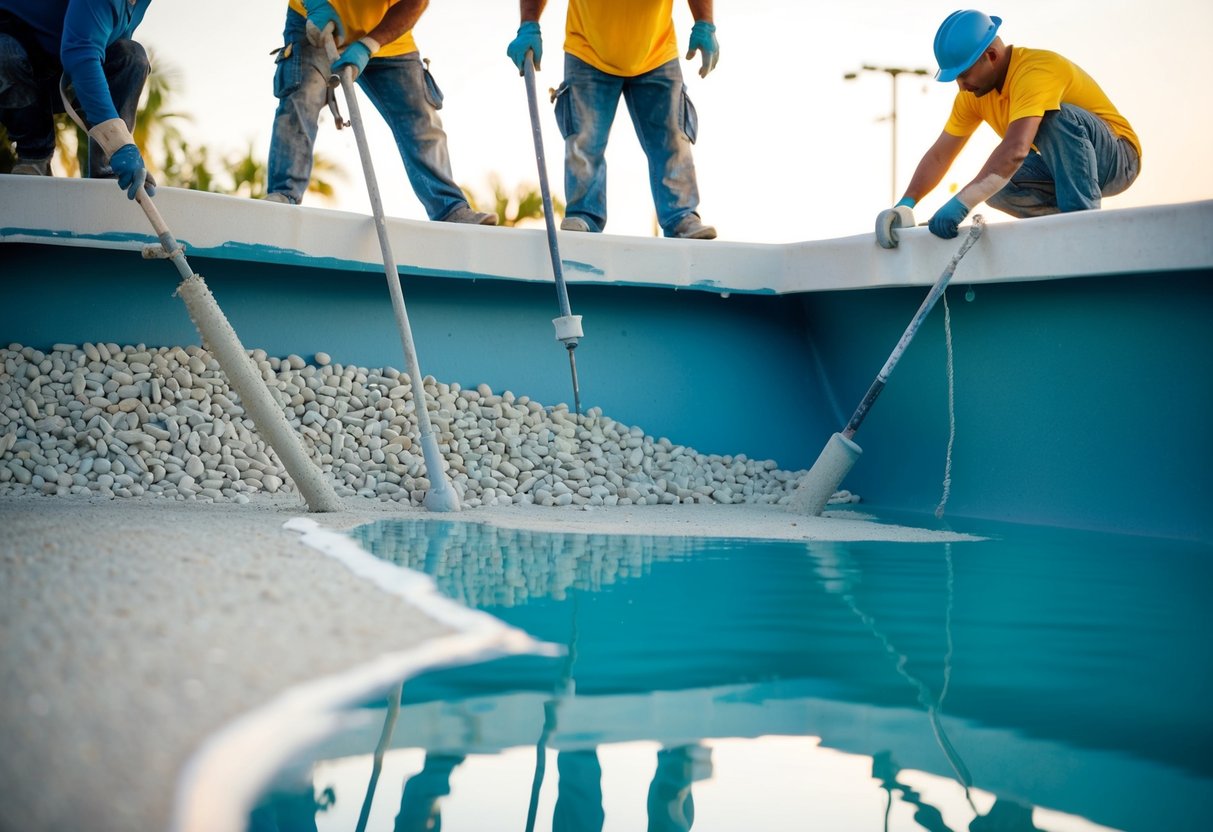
x,y
1037,679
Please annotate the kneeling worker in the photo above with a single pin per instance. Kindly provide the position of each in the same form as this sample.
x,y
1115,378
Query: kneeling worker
x,y
1064,145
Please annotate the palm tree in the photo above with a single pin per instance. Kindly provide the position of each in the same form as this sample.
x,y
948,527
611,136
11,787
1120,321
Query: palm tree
x,y
66,153
522,207
8,154
170,155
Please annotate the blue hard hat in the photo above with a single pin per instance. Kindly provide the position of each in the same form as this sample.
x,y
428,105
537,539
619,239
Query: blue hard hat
x,y
961,39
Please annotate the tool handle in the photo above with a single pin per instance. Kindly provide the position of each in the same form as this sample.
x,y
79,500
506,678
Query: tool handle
x,y
928,304
172,249
549,216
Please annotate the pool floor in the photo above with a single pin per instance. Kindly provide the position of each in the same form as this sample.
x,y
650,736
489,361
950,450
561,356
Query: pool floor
x,y
1035,679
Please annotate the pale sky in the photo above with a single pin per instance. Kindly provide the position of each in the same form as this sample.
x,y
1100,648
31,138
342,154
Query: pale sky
x,y
787,149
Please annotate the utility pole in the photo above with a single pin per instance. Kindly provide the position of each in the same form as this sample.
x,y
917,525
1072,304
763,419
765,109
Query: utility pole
x,y
892,72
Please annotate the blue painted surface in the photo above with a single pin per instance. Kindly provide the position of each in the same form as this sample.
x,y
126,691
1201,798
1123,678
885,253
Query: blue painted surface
x,y
1081,402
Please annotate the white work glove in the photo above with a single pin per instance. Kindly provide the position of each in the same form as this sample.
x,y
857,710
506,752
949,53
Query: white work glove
x,y
891,219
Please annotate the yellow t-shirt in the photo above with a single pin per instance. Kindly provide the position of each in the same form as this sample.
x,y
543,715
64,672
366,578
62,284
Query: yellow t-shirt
x,y
359,17
1037,81
621,37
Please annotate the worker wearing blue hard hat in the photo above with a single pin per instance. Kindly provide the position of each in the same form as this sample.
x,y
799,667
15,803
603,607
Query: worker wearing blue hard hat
x,y
1064,144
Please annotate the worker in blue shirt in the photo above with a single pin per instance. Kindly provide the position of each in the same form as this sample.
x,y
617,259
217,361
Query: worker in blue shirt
x,y
87,43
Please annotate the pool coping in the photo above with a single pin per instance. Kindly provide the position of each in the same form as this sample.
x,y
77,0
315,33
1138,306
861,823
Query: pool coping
x,y
81,212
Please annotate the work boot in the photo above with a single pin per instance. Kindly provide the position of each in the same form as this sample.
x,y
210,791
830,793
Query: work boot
x,y
281,199
32,167
574,224
691,227
465,214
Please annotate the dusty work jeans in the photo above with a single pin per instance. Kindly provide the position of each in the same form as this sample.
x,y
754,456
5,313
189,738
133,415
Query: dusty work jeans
x,y
397,86
1077,161
29,91
665,123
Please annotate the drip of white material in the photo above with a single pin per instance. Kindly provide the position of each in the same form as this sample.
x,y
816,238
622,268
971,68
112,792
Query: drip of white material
x,y
238,762
947,467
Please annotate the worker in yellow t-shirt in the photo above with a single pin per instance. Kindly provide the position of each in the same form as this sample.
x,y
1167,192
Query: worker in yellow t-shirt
x,y
1064,145
375,38
625,48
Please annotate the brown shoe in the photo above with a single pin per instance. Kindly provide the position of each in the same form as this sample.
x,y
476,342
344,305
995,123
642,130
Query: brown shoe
x,y
32,167
691,227
464,214
574,224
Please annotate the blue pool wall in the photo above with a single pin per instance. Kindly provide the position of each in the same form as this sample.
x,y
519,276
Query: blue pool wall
x,y
1082,402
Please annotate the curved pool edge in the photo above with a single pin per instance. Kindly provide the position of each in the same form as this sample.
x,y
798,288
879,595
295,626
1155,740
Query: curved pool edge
x,y
263,739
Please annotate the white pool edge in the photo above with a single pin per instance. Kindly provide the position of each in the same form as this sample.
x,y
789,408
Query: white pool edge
x,y
239,760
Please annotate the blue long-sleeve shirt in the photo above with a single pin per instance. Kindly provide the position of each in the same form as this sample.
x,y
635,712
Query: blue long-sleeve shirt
x,y
79,32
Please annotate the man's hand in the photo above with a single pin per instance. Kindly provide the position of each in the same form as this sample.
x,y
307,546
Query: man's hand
x,y
322,21
356,55
528,39
131,172
889,220
116,140
947,219
703,40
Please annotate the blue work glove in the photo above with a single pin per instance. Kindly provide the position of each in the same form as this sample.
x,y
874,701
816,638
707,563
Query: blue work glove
x,y
947,219
322,19
527,40
703,40
355,55
131,172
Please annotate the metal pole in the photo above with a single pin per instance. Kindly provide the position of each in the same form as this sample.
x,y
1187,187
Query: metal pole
x,y
893,122
892,72
441,495
568,325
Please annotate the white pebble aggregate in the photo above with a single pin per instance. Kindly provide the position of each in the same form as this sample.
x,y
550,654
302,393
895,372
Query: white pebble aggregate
x,y
129,421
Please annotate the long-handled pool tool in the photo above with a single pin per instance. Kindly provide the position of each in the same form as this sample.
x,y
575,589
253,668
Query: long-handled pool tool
x,y
840,453
564,690
568,325
442,495
242,374
385,740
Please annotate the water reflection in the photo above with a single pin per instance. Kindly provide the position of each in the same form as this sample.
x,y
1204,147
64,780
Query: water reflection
x,y
1074,669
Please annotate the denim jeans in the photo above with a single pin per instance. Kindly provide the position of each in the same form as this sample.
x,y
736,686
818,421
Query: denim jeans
x,y
1077,161
29,94
398,87
665,123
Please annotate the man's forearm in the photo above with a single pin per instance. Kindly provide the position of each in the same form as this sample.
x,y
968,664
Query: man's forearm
x,y
701,10
934,165
1003,162
929,173
993,176
399,19
530,9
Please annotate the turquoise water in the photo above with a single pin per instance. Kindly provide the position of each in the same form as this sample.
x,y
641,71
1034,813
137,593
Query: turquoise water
x,y
1036,680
